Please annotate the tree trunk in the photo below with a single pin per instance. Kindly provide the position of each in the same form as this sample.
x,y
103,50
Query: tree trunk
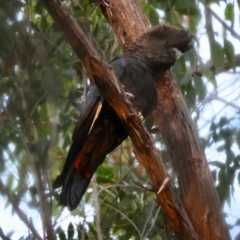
x,y
172,117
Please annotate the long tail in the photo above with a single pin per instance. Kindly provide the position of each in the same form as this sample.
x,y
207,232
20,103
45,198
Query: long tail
x,y
93,139
81,131
74,188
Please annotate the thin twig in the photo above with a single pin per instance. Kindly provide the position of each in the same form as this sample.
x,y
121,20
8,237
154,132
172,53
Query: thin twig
x,y
118,185
231,30
97,207
148,220
19,212
228,103
133,224
109,192
153,222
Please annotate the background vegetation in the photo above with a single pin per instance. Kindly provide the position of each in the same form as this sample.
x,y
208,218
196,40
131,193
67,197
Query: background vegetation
x,y
42,89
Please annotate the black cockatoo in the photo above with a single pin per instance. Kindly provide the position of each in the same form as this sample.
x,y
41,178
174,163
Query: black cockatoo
x,y
99,130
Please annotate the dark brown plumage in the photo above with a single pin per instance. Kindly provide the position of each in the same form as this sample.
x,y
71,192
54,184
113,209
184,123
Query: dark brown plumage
x,y
150,55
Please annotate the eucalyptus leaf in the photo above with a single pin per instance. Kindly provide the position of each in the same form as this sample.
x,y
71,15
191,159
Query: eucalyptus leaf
x,y
217,55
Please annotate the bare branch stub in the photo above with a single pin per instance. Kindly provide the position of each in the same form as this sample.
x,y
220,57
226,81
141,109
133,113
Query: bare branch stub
x,y
4,190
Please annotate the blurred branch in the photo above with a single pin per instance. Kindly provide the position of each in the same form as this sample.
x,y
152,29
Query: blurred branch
x,y
231,30
3,236
45,206
209,65
4,190
228,103
209,27
148,221
226,65
214,96
97,207
152,222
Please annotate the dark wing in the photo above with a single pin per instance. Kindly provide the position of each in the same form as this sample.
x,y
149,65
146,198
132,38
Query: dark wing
x,y
99,129
135,74
97,133
81,131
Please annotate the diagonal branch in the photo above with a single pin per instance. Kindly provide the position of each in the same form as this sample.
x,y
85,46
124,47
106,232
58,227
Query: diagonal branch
x,y
209,66
97,207
20,213
231,30
3,236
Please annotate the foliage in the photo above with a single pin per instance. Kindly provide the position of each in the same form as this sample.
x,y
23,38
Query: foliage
x,y
42,90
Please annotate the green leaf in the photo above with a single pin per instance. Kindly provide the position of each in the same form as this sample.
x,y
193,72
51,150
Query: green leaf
x,y
217,164
61,234
229,52
217,55
186,7
199,87
223,188
42,147
38,8
210,76
191,57
223,121
238,177
186,79
70,231
67,142
153,16
212,1
104,175
10,181
44,24
221,148
193,23
229,12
